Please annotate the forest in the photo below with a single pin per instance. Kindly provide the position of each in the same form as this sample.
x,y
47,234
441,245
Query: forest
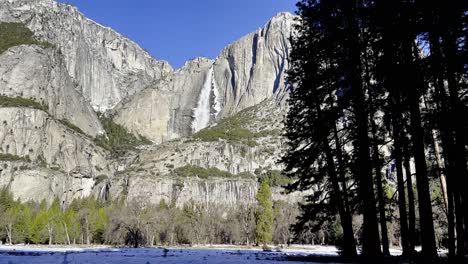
x,y
89,221
379,101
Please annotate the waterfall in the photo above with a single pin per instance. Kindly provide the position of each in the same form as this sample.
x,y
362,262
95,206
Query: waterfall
x,y
216,103
104,192
202,114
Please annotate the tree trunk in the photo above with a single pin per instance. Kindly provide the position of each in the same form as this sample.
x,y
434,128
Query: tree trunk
x,y
50,231
370,234
347,221
66,233
9,232
428,244
87,232
425,206
393,80
456,109
442,178
349,247
371,243
411,207
380,195
397,153
342,171
451,222
446,140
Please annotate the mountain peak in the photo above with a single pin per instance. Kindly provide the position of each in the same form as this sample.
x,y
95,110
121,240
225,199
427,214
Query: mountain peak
x,y
280,22
284,15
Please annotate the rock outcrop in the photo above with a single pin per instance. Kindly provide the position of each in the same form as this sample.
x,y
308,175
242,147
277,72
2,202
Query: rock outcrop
x,y
180,191
253,68
40,74
55,143
55,160
45,184
107,66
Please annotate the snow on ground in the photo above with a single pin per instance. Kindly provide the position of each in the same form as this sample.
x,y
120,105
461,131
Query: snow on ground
x,y
68,255
204,254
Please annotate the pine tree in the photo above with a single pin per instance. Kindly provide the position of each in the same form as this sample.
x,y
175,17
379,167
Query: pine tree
x,y
38,230
98,220
311,123
264,215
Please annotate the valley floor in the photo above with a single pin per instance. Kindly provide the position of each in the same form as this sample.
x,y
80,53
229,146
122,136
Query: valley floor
x,y
195,255
212,254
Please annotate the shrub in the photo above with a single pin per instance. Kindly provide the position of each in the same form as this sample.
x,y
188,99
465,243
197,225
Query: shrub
x,y
99,179
233,129
15,34
117,138
10,157
230,129
204,173
6,101
245,175
191,171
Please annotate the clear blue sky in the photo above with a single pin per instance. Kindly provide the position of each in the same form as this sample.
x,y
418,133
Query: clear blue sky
x,y
177,31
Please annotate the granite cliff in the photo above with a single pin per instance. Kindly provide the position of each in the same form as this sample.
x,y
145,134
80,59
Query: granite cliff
x,y
215,124
244,74
107,65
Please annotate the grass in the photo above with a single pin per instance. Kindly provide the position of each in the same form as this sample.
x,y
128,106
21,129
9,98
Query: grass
x,y
6,101
10,157
205,173
233,129
117,138
15,34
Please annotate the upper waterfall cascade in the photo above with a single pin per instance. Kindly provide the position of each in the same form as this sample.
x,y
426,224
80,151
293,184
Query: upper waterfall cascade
x,y
208,105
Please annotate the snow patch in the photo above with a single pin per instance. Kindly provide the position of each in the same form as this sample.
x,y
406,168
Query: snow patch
x,y
26,254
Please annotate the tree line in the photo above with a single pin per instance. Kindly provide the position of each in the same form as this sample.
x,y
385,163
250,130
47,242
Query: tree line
x,y
375,85
87,221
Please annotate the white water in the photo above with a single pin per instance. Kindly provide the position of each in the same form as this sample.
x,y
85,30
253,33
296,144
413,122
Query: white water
x,y
202,113
216,103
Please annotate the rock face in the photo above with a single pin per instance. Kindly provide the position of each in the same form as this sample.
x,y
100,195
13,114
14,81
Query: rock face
x,y
152,175
58,161
252,69
232,156
246,73
40,74
165,111
52,149
45,184
35,134
107,66
228,192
